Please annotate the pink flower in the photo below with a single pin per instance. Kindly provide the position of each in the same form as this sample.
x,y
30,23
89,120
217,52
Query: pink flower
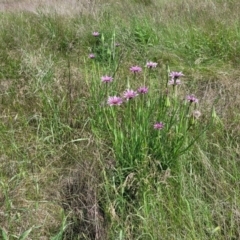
x,y
129,94
91,55
142,90
114,100
106,79
174,82
135,69
176,75
158,125
95,34
151,65
192,99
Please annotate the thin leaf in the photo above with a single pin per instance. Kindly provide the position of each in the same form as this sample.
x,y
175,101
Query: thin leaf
x,y
4,234
25,234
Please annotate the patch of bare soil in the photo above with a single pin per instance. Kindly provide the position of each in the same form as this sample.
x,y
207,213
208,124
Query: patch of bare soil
x,y
64,7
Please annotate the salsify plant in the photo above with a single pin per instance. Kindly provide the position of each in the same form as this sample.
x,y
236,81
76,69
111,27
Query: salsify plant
x,y
143,122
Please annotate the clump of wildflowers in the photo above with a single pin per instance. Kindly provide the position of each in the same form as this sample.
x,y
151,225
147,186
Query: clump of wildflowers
x,y
114,100
95,34
106,79
151,65
192,99
91,55
129,94
142,90
135,69
158,125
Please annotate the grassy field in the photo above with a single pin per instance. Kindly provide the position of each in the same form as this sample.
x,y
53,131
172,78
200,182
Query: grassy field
x,y
120,120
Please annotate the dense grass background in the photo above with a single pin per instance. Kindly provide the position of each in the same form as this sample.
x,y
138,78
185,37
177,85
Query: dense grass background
x,y
64,162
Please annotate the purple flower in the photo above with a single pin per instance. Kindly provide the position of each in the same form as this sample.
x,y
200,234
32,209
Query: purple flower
x,y
174,82
142,90
91,55
192,99
151,65
117,44
158,125
106,79
95,34
176,75
135,69
114,100
129,94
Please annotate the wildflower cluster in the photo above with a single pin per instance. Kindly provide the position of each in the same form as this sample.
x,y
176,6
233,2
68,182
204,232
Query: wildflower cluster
x,y
128,94
145,122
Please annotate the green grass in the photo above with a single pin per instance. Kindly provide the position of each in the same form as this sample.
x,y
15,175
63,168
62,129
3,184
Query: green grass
x,y
72,167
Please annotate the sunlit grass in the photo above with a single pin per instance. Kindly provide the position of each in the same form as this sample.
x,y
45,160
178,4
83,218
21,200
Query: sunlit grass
x,y
74,167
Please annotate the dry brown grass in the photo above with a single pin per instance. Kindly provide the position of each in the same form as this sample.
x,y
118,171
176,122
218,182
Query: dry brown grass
x,y
62,7
81,200
221,89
